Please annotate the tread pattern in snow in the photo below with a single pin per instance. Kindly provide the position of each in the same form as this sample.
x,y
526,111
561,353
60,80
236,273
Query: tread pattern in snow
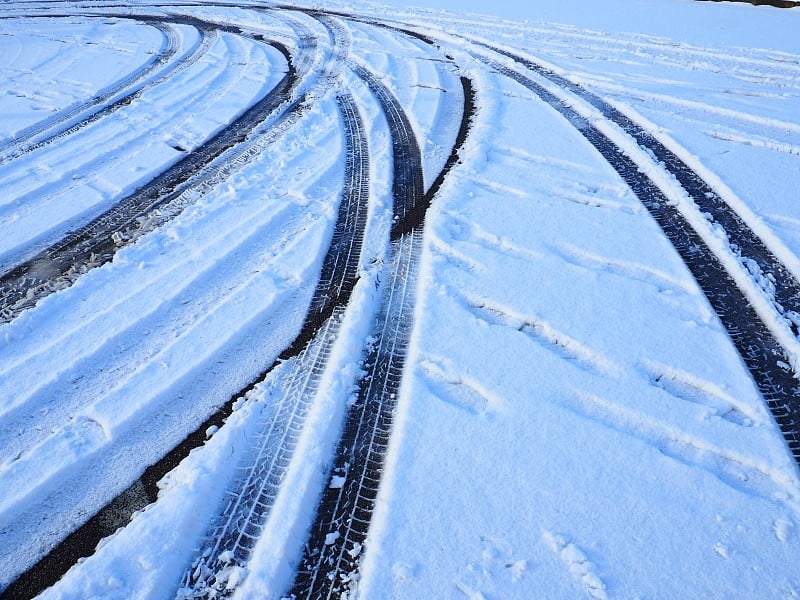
x,y
336,542
339,531
340,527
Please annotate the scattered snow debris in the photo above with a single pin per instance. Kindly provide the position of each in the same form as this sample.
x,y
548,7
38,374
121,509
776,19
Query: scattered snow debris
x,y
469,592
211,431
352,577
119,238
355,550
234,576
337,482
226,557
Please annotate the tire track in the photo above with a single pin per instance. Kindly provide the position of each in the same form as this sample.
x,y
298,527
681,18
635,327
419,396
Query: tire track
x,y
407,186
408,181
233,536
21,142
765,358
338,534
207,37
95,243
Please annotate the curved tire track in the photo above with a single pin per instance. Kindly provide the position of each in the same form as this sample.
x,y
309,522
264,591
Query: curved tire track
x,y
338,534
344,513
64,119
338,278
95,243
765,358
233,536
742,239
207,37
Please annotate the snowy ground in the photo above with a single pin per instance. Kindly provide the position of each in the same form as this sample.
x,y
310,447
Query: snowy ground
x,y
573,420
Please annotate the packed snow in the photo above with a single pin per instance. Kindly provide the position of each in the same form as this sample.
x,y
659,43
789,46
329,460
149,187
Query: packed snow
x,y
574,421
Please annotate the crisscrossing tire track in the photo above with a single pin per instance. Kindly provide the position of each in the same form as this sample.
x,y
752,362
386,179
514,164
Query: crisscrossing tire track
x,y
407,185
256,127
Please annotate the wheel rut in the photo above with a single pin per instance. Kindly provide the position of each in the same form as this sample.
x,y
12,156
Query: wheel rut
x,y
231,539
338,535
307,355
745,243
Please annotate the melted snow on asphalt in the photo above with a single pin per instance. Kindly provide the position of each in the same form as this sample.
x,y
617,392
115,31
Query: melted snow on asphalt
x,y
573,420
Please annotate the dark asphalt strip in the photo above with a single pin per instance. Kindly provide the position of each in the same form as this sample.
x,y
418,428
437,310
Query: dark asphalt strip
x,y
767,361
96,243
742,239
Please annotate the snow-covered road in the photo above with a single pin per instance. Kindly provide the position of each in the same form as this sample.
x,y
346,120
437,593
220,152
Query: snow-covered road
x,y
352,301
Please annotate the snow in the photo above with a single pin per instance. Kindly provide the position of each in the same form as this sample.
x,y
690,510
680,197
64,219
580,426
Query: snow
x,y
573,421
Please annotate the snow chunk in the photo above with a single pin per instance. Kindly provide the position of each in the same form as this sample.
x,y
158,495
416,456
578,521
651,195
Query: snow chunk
x,y
331,538
355,550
